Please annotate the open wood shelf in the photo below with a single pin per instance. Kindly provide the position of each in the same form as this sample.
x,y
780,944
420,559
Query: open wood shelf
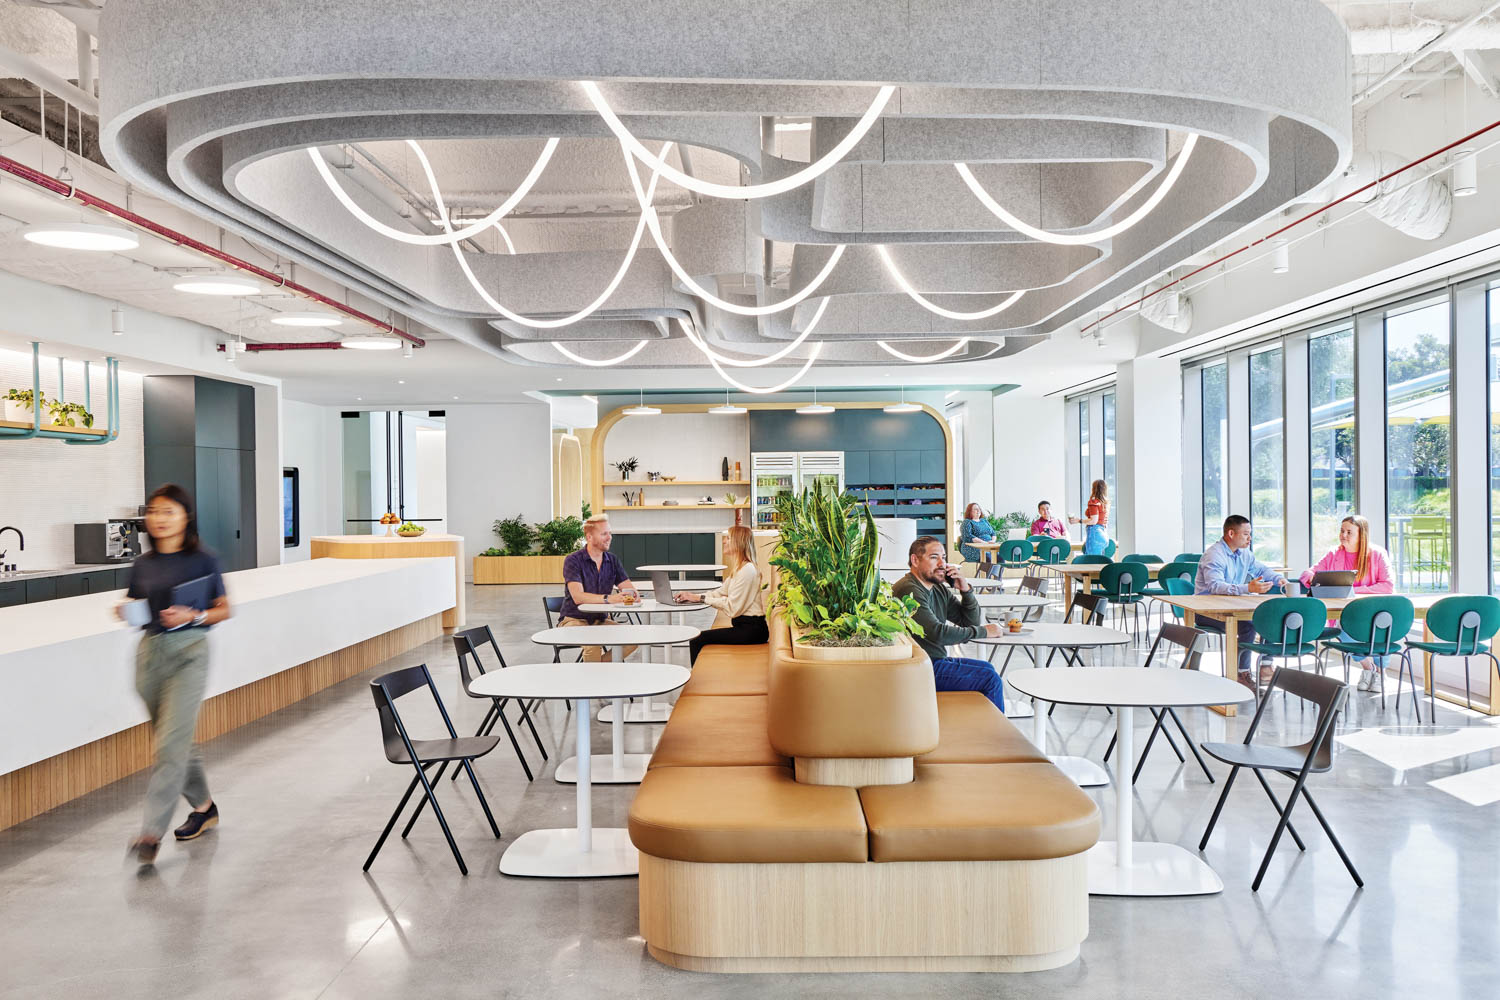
x,y
679,482
678,506
26,425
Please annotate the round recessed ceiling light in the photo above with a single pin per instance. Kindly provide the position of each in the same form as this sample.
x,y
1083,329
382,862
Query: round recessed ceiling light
x,y
306,319
218,284
365,342
82,236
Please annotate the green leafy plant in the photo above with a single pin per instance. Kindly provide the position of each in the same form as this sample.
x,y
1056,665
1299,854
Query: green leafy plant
x,y
516,534
492,551
1017,519
67,414
830,584
588,511
559,536
997,522
23,396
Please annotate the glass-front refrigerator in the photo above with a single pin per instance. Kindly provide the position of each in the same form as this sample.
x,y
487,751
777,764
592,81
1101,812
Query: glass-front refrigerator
x,y
772,473
822,471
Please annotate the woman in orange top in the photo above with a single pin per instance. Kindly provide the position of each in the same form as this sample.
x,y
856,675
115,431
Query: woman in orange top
x,y
1096,518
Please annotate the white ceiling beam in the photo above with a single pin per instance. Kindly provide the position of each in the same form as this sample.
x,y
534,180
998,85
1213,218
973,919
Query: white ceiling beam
x,y
1443,39
1479,70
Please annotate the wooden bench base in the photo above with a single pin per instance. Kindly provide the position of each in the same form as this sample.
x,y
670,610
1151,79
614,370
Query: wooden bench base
x,y
955,916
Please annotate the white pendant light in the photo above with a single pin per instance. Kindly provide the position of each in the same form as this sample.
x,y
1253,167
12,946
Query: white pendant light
x,y
218,284
1281,258
366,342
407,350
1465,173
82,236
904,406
117,321
641,409
728,409
815,407
306,319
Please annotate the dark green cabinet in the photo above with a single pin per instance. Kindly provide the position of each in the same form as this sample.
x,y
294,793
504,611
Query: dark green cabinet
x,y
12,592
882,467
856,468
70,586
636,550
42,589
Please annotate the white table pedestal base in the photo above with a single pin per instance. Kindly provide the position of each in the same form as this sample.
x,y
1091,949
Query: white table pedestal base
x,y
1155,870
639,711
555,854
1083,772
602,770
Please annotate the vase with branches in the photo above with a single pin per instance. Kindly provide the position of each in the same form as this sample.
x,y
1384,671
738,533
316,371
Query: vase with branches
x,y
625,467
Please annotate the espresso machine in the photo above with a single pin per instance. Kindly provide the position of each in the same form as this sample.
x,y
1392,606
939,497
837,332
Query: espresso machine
x,y
117,541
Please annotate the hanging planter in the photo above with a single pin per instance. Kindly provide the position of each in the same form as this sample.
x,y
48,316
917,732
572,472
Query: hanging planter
x,y
70,422
19,407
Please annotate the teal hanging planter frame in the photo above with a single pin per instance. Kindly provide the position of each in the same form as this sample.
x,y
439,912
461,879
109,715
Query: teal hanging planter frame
x,y
71,436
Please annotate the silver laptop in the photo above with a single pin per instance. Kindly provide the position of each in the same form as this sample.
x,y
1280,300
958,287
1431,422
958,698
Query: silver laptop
x,y
1332,583
661,586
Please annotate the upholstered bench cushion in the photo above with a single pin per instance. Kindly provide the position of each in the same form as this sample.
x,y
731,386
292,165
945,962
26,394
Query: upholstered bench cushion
x,y
745,814
716,731
980,812
971,730
730,670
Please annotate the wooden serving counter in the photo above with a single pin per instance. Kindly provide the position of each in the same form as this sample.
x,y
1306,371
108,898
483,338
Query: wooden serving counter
x,y
396,547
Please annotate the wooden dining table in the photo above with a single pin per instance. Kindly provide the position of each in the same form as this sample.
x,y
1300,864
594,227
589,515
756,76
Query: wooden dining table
x,y
1083,576
1233,609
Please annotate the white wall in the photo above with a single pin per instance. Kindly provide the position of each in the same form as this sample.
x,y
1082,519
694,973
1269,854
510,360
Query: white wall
x,y
499,465
1029,454
311,443
1148,455
685,445
979,448
46,486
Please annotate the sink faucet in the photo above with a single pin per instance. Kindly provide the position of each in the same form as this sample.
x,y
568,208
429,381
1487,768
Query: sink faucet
x,y
18,535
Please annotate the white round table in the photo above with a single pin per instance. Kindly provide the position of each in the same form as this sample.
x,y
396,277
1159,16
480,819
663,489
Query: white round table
x,y
1022,602
683,569
1124,867
582,852
682,585
1069,638
621,635
634,712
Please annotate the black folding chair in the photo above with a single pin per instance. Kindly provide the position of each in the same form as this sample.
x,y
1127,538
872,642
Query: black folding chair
x,y
1186,639
553,606
466,644
400,748
1296,762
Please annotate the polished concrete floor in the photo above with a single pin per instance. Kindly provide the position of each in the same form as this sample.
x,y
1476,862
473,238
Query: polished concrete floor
x,y
273,903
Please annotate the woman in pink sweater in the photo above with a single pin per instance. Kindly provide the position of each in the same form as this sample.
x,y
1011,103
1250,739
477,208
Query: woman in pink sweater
x,y
1372,575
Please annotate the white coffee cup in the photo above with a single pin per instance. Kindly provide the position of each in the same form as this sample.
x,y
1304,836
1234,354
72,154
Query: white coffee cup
x,y
137,613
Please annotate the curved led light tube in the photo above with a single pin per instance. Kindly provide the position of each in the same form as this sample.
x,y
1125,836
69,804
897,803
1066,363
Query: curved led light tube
x,y
644,199
688,332
932,307
742,192
769,358
450,236
599,364
931,357
1081,239
515,317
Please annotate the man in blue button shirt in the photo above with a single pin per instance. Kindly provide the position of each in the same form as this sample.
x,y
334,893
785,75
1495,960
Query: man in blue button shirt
x,y
1229,568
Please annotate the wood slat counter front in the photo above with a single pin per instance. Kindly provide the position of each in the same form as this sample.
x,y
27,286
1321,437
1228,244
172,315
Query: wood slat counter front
x,y
396,547
73,721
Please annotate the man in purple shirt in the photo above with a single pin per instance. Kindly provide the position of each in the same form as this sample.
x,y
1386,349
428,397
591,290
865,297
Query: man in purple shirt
x,y
1046,524
591,576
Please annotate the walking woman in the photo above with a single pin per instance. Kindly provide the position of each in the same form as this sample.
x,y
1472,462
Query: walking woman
x,y
1372,575
1096,520
974,526
171,663
739,598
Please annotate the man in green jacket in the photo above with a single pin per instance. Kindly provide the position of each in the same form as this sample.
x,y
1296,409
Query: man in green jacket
x,y
949,614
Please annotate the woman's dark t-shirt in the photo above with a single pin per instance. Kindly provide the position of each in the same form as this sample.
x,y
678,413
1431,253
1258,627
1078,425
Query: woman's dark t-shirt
x,y
154,574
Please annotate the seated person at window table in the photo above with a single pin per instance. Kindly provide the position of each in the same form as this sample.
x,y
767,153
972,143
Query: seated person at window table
x,y
974,526
1372,575
1046,524
1229,568
590,576
949,614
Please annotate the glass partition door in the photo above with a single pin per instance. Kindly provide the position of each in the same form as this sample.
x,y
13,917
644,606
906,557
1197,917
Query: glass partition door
x,y
395,461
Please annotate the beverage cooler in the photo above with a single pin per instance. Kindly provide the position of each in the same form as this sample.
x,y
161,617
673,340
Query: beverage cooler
x,y
773,473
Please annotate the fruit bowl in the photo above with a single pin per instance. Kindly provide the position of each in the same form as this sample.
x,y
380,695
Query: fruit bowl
x,y
409,530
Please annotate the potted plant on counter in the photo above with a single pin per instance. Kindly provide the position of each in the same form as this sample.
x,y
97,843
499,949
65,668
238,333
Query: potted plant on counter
x,y
830,588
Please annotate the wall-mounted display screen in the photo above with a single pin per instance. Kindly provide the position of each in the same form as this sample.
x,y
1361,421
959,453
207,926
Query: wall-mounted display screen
x,y
291,509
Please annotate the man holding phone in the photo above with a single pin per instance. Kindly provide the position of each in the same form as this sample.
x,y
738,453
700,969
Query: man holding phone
x,y
949,614
1228,567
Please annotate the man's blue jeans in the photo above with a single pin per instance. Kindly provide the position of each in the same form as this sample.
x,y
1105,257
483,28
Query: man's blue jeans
x,y
958,673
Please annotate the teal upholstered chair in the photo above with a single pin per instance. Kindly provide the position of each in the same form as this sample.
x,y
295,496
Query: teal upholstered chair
x,y
1191,557
1142,557
1095,560
1287,628
1461,626
1120,583
1015,554
1376,627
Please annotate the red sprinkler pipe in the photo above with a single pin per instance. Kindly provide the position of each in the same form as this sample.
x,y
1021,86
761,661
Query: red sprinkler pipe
x,y
1295,222
20,170
327,345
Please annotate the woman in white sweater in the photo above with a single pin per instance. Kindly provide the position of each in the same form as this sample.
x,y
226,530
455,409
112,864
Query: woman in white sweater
x,y
739,597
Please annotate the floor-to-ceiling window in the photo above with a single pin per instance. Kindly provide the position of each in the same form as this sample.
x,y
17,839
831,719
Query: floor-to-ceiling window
x,y
1418,375
395,461
1492,310
1116,516
1085,481
1215,451
1267,455
1330,428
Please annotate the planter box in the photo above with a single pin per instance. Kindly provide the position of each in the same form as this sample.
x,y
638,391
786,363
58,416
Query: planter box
x,y
897,651
518,569
20,412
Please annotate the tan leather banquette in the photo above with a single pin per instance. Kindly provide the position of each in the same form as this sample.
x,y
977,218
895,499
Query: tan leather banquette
x,y
825,815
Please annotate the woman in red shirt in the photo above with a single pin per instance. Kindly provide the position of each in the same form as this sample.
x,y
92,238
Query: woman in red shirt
x,y
1096,518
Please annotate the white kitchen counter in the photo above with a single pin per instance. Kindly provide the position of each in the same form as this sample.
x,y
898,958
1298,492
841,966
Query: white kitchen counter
x,y
69,665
